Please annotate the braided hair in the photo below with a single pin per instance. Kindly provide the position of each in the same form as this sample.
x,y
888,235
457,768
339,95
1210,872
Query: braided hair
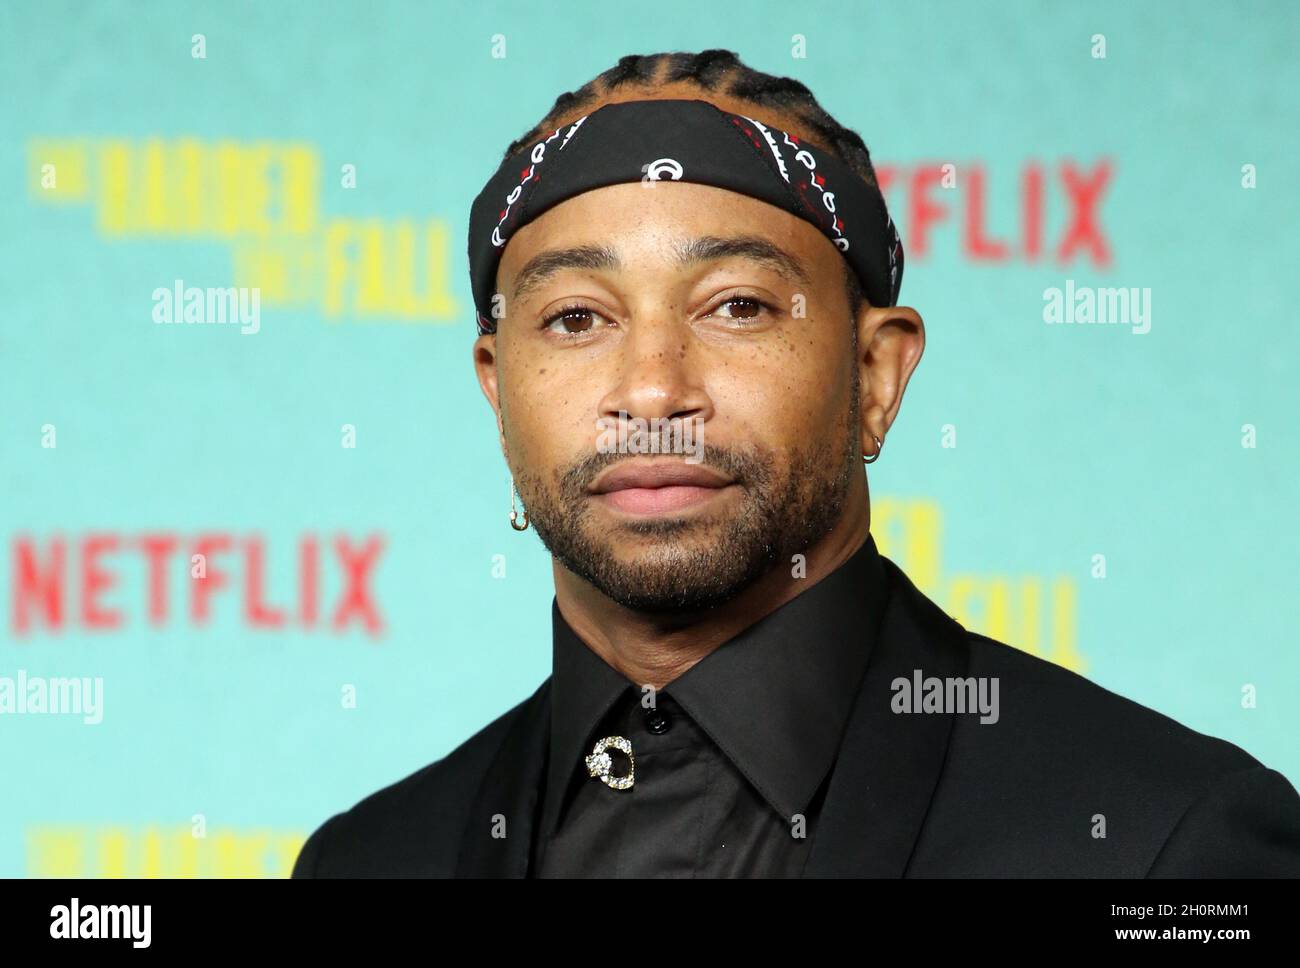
x,y
720,71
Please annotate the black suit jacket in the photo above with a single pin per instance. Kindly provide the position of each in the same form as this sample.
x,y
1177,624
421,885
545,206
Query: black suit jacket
x,y
928,794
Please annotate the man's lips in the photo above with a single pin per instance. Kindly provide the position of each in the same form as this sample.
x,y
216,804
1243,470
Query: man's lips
x,y
640,488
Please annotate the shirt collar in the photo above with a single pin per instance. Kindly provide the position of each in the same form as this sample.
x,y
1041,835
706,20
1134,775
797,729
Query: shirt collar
x,y
775,698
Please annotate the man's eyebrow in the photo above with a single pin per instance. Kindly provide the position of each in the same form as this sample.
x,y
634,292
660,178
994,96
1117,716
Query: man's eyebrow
x,y
546,264
755,248
706,248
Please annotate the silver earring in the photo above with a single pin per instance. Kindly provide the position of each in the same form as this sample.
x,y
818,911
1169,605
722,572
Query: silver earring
x,y
872,459
516,516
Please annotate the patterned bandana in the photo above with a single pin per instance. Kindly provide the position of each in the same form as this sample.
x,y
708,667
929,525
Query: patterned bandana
x,y
689,141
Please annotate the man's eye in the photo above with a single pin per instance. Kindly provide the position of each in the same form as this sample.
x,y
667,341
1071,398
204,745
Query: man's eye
x,y
742,307
571,321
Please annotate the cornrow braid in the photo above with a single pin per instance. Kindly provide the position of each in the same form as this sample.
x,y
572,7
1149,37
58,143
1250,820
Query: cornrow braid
x,y
720,71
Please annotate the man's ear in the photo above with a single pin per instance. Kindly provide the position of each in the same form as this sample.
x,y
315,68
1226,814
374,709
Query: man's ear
x,y
485,365
891,340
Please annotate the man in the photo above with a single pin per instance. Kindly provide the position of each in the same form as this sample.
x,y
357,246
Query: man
x,y
686,285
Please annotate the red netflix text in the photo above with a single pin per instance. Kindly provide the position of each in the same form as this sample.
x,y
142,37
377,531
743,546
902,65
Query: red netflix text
x,y
923,197
45,573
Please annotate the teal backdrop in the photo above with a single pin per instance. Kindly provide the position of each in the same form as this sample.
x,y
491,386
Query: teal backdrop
x,y
1119,497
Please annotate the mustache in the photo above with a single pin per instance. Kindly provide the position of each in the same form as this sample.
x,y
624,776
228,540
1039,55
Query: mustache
x,y
744,465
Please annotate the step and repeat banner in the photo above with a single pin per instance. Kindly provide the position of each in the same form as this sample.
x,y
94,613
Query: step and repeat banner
x,y
257,559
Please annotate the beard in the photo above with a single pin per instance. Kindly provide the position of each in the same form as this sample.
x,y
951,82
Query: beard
x,y
683,564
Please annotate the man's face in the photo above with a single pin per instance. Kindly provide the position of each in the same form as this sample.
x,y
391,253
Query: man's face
x,y
718,315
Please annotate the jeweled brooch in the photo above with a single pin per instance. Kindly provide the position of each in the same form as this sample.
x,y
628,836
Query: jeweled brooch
x,y
600,763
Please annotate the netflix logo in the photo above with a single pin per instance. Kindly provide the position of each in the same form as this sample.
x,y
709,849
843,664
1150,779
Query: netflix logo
x,y
60,582
926,197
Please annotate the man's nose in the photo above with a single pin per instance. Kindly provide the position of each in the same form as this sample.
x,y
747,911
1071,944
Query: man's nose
x,y
659,374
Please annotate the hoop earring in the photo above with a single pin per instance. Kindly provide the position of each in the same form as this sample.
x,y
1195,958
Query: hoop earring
x,y
515,516
872,459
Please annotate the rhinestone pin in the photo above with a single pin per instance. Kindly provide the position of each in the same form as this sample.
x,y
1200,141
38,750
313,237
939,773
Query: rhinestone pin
x,y
599,763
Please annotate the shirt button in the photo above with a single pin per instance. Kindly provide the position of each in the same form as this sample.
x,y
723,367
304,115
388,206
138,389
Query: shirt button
x,y
657,721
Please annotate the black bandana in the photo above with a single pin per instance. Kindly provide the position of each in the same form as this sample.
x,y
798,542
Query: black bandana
x,y
689,141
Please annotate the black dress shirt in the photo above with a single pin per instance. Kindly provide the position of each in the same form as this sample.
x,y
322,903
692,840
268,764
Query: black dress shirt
x,y
733,759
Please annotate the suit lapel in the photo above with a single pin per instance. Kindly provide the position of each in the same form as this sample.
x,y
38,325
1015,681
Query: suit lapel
x,y
889,763
510,788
